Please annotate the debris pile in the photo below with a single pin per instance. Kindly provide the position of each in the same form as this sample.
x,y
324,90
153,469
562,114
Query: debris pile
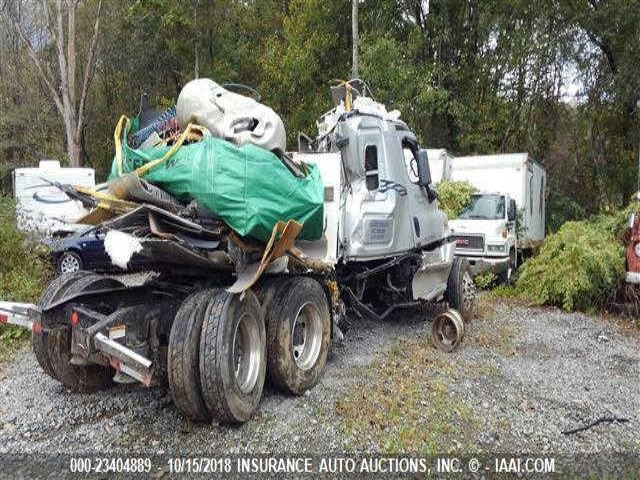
x,y
206,184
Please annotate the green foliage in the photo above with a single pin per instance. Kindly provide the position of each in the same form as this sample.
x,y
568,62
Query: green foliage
x,y
580,267
24,266
453,196
23,271
561,209
485,280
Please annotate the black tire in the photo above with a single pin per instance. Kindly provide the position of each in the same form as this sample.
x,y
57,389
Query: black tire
x,y
232,396
54,291
460,291
69,256
294,366
57,341
507,277
267,291
183,359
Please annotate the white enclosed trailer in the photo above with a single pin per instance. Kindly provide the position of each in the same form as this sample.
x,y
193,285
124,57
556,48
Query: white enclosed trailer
x,y
439,164
42,206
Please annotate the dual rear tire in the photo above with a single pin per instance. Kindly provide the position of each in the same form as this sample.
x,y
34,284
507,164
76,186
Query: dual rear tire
x,y
222,347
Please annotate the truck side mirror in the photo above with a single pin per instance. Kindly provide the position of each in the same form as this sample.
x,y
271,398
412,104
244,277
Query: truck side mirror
x,y
424,174
511,213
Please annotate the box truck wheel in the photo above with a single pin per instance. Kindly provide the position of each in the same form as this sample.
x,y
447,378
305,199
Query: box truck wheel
x,y
55,342
298,335
232,356
54,292
183,358
507,275
461,292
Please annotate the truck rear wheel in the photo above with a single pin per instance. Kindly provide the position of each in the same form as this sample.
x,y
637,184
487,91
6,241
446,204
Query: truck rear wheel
x,y
54,291
298,335
232,356
460,291
57,340
184,356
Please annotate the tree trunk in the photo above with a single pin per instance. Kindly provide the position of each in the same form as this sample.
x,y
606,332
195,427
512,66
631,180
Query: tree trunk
x,y
74,148
63,89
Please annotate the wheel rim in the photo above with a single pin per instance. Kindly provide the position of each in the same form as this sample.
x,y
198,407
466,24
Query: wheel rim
x,y
468,291
306,336
69,264
246,353
447,331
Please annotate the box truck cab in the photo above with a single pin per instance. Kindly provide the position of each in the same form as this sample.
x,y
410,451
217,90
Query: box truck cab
x,y
506,218
485,233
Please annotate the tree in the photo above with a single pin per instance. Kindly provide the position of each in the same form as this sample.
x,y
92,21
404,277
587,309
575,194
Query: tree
x,y
60,81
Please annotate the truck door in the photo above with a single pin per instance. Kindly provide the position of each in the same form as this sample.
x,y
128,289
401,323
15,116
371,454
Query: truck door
x,y
426,222
376,215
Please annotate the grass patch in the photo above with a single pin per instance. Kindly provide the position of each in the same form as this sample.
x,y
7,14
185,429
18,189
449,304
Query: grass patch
x,y
402,404
499,339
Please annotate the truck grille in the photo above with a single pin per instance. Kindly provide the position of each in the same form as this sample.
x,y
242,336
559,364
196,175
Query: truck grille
x,y
469,242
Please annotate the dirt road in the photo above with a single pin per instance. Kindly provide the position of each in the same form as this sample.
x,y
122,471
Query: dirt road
x,y
521,378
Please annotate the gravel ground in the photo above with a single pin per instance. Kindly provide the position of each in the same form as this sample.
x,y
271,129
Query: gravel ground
x,y
546,371
554,372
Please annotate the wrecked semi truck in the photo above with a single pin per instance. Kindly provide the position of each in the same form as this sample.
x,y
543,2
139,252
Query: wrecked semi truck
x,y
226,308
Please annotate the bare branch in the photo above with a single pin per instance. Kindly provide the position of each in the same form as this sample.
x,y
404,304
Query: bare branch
x,y
62,61
44,72
606,50
71,52
49,21
90,63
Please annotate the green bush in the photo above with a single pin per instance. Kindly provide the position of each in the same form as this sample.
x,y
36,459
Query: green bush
x,y
453,196
581,267
23,266
485,280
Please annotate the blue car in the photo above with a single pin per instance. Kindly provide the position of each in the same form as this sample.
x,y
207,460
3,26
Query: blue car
x,y
85,250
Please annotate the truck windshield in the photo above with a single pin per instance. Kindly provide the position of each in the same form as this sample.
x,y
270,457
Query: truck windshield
x,y
485,207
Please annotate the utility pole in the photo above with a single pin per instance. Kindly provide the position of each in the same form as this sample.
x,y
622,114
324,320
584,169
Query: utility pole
x,y
196,42
638,172
354,30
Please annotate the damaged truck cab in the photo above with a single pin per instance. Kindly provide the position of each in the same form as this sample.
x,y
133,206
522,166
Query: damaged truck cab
x,y
221,312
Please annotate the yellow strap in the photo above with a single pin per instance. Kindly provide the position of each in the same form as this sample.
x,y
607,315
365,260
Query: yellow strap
x,y
183,136
117,137
123,125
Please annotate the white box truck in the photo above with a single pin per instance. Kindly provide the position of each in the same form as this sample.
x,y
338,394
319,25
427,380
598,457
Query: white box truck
x,y
41,206
511,189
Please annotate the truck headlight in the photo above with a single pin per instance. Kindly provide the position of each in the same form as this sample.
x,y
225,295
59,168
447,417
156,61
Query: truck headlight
x,y
637,249
497,248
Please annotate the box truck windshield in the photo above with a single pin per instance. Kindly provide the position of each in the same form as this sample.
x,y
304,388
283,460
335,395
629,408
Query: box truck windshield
x,y
485,207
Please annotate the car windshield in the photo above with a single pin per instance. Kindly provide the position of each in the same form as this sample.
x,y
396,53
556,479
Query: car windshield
x,y
84,231
484,207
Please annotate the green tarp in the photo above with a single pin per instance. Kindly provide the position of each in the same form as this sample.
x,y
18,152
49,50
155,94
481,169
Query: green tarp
x,y
247,187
